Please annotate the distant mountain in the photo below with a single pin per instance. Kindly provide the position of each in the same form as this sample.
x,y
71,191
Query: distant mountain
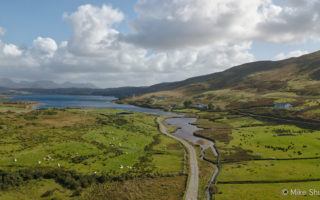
x,y
293,77
121,92
10,84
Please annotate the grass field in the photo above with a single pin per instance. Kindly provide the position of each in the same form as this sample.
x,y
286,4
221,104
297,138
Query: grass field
x,y
43,189
85,143
265,191
14,107
264,140
276,170
255,151
277,141
206,170
149,188
162,188
81,144
167,152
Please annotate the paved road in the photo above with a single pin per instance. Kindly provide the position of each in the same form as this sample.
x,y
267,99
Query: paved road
x,y
193,177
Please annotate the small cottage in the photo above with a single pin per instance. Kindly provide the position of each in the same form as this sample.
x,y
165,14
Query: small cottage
x,y
282,106
201,106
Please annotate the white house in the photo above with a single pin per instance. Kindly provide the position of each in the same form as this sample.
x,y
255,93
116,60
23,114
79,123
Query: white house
x,y
282,105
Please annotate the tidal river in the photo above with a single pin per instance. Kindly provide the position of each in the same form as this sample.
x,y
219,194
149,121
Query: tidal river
x,y
81,101
186,131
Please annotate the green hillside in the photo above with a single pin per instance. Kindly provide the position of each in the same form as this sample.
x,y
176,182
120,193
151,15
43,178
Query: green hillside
x,y
263,83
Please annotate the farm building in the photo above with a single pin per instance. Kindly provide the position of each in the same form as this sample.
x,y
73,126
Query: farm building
x,y
282,106
200,106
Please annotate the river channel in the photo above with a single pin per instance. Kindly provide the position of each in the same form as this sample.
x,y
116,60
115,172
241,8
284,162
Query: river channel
x,y
186,130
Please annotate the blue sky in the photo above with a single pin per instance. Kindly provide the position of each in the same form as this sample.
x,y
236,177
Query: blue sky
x,y
38,17
125,42
268,51
25,20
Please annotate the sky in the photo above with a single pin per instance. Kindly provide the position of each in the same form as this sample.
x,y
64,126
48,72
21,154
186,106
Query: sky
x,y
113,43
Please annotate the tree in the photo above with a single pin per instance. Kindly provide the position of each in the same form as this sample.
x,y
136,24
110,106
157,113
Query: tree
x,y
210,106
187,103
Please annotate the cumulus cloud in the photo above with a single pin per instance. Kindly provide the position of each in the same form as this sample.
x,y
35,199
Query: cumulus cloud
x,y
96,49
13,58
290,54
295,21
11,50
45,46
169,40
93,31
174,24
198,22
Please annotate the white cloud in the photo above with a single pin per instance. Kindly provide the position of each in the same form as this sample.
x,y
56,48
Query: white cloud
x,y
169,24
295,21
290,54
45,46
93,29
13,59
11,50
100,52
170,40
174,24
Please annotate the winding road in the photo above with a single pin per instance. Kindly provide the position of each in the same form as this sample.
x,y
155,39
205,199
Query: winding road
x,y
193,177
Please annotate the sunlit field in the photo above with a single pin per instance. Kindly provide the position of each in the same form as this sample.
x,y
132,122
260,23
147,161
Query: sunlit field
x,y
87,146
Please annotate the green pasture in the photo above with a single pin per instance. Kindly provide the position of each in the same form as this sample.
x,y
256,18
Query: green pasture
x,y
87,141
274,170
265,191
36,190
276,141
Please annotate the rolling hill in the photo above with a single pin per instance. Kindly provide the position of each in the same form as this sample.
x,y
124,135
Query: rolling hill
x,y
264,81
285,79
